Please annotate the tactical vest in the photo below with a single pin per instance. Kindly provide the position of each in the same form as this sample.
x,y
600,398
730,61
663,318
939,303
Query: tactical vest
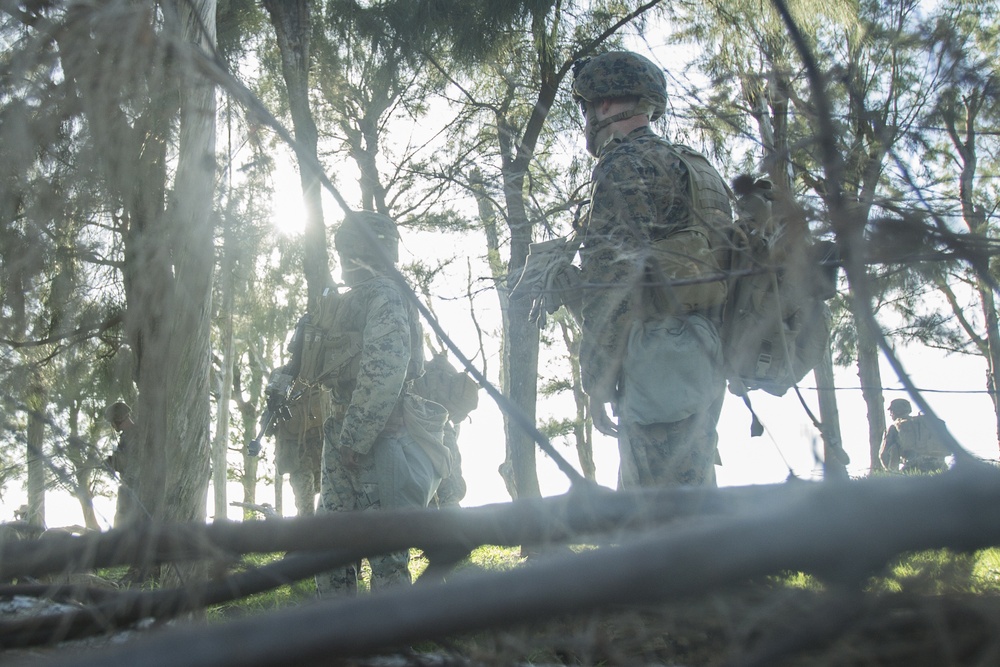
x,y
686,260
333,341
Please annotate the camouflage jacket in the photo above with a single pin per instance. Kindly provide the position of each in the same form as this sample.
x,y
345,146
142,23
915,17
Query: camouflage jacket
x,y
391,354
639,194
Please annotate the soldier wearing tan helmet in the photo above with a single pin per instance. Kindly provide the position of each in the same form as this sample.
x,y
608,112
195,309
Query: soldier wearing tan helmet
x,y
650,349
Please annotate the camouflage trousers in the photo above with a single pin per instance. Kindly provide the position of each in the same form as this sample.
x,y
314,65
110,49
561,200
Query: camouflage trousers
x,y
671,454
303,483
395,475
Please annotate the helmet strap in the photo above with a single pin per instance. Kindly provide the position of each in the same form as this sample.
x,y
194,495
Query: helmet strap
x,y
593,129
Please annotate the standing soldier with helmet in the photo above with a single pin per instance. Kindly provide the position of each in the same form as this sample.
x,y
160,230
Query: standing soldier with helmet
x,y
383,445
123,461
650,347
298,442
913,440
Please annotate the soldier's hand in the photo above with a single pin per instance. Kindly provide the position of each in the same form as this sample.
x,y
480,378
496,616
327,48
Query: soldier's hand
x,y
602,422
349,458
253,448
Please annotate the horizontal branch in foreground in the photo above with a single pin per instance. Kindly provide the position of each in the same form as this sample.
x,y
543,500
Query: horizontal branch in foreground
x,y
539,521
842,532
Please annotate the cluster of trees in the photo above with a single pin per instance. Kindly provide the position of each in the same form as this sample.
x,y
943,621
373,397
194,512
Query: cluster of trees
x,y
140,260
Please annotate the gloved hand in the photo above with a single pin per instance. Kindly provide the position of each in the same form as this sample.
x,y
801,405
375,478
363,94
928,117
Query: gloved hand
x,y
548,278
561,288
532,278
253,448
279,385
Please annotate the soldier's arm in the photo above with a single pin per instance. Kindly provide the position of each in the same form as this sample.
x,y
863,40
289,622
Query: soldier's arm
x,y
612,257
889,454
385,356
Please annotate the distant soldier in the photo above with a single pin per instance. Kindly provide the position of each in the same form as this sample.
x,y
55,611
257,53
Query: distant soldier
x,y
298,447
915,441
122,461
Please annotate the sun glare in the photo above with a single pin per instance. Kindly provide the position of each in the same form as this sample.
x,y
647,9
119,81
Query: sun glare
x,y
287,209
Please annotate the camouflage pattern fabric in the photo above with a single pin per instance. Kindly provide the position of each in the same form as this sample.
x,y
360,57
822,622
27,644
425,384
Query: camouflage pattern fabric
x,y
618,74
889,453
366,425
305,485
640,197
301,457
458,393
128,509
670,454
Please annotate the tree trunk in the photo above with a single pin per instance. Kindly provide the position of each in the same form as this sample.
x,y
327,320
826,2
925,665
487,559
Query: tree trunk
x,y
292,21
192,220
871,388
583,431
248,414
220,446
35,456
834,464
86,499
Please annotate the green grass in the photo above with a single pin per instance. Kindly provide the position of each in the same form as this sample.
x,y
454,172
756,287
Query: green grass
x,y
283,596
934,572
940,572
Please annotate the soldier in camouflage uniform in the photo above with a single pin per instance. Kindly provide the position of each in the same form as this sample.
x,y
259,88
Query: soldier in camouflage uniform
x,y
299,444
370,461
123,461
895,451
641,207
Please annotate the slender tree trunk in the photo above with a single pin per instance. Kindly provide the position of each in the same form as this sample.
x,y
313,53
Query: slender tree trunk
x,y
248,415
86,499
583,430
36,455
829,417
992,349
220,446
977,222
520,351
192,220
292,21
871,389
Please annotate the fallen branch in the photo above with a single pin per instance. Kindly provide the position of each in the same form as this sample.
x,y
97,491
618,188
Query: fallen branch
x,y
121,610
841,532
537,521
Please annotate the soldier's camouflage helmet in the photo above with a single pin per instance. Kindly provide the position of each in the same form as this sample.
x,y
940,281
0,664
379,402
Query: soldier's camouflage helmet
x,y
621,74
117,412
900,406
360,233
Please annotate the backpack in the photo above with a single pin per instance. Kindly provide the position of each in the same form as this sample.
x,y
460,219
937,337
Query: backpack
x,y
443,384
688,259
920,436
776,324
313,331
